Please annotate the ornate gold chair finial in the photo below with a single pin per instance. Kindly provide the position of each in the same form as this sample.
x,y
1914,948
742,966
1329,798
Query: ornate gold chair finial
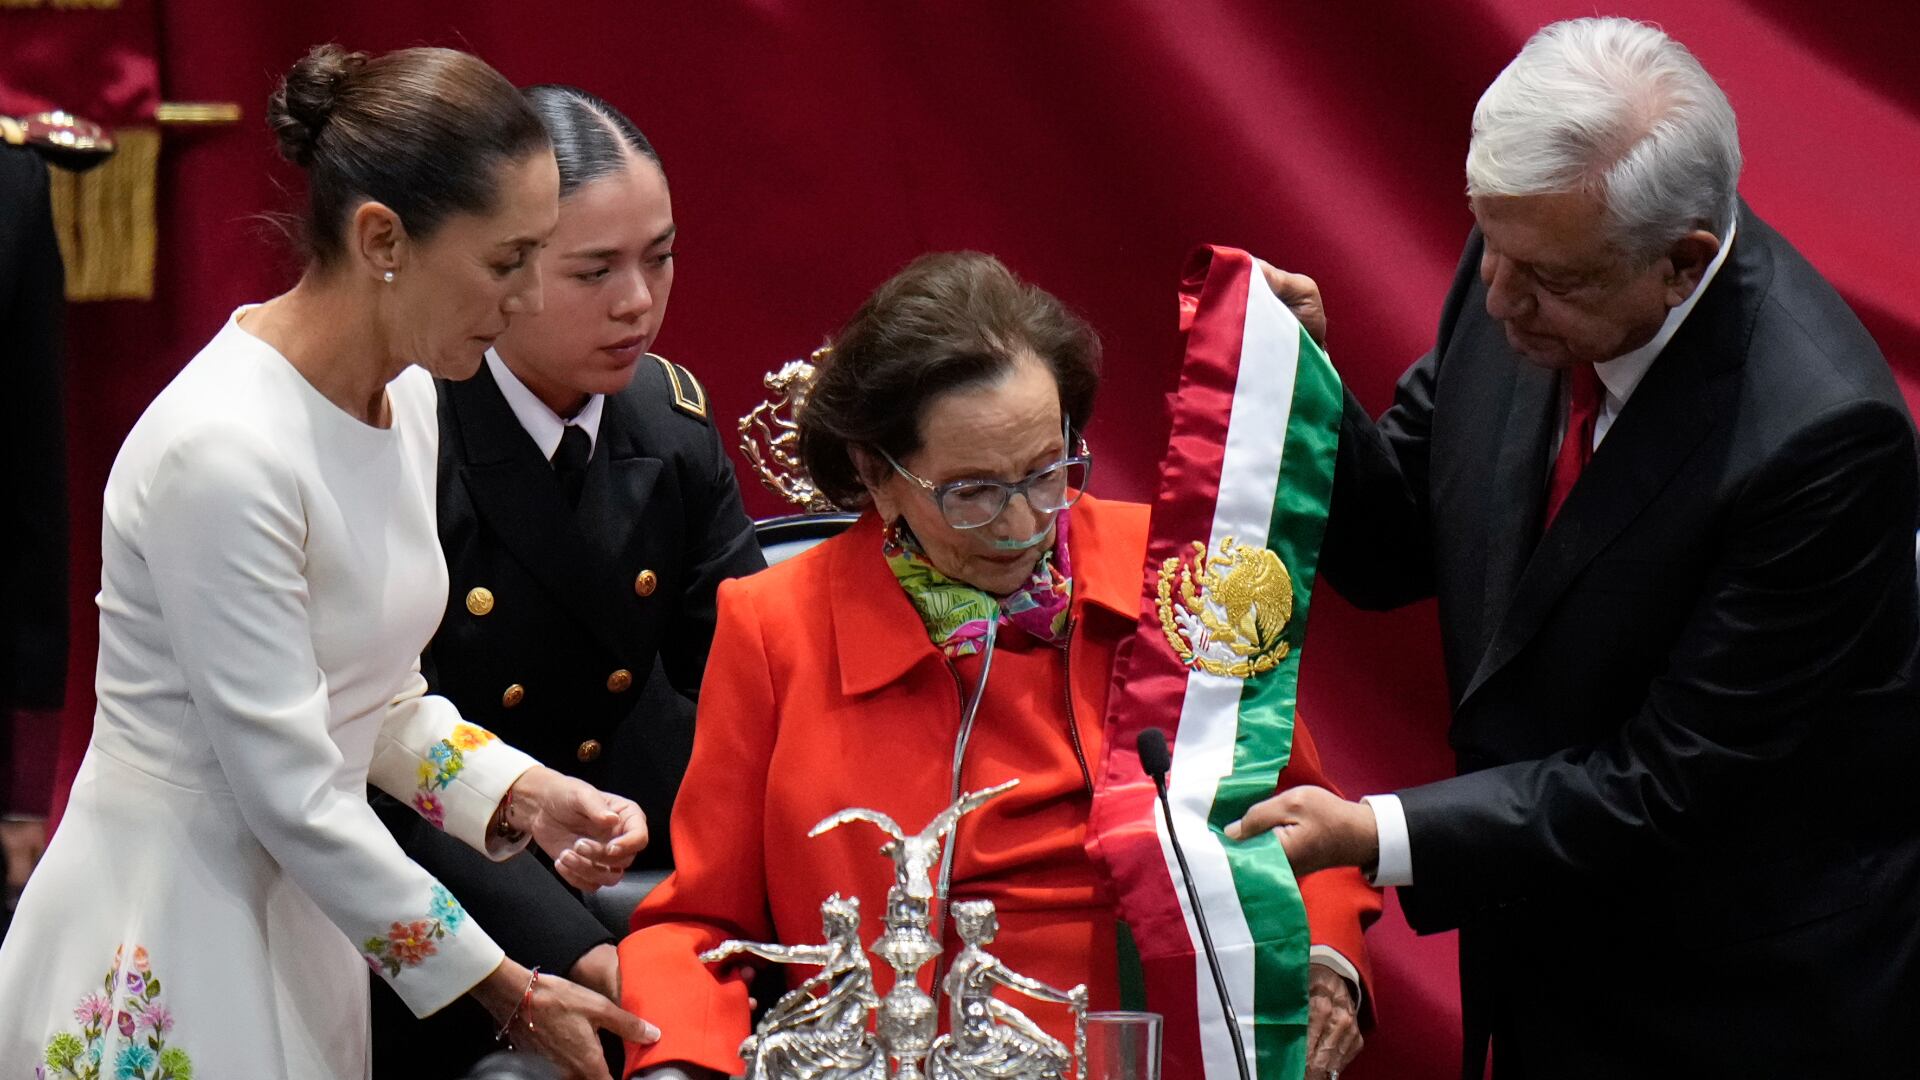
x,y
770,436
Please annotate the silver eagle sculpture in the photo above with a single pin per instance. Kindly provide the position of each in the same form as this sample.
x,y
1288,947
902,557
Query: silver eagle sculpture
x,y
820,1029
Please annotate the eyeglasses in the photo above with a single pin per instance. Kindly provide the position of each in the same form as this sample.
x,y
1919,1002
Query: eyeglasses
x,y
970,504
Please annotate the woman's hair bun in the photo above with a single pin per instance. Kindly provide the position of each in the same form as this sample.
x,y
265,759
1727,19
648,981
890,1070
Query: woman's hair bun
x,y
424,132
299,110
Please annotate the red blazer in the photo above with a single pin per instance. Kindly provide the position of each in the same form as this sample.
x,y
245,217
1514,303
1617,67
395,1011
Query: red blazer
x,y
823,692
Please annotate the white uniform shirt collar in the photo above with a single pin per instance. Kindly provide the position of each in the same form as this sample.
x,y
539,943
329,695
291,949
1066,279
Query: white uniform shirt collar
x,y
542,423
1622,374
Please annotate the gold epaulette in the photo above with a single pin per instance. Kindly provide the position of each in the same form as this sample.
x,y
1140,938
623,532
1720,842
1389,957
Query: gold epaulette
x,y
688,395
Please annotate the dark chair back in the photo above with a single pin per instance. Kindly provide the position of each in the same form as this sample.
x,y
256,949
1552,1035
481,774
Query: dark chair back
x,y
781,538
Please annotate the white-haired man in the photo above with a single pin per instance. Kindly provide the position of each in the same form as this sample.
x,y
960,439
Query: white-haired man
x,y
1664,487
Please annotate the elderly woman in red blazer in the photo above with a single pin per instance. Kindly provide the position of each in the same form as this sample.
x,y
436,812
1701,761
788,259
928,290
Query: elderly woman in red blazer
x,y
951,408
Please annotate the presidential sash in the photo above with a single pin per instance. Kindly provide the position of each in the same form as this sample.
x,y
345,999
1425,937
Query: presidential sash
x,y
1215,661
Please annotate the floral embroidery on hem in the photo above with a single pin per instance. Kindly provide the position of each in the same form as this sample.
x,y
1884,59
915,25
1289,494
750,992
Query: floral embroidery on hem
x,y
409,944
130,1006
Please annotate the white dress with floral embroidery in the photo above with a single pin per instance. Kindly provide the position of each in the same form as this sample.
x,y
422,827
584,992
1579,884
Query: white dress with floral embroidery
x,y
219,885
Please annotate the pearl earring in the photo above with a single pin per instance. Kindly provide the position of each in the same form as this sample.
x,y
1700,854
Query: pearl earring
x,y
387,277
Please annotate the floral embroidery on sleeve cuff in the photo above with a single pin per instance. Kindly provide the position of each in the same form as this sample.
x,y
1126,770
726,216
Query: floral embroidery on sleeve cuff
x,y
444,761
452,772
408,944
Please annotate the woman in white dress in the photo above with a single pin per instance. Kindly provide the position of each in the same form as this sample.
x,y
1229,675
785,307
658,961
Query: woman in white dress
x,y
219,884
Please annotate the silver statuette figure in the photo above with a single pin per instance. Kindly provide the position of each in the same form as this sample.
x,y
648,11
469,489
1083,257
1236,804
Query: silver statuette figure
x,y
819,1030
987,1038
817,1036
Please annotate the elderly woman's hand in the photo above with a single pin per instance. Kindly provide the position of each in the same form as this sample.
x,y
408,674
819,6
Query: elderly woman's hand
x,y
1333,1023
592,836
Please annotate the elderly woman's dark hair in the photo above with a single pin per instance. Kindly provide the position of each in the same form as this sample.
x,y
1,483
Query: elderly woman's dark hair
x,y
948,321
421,131
591,138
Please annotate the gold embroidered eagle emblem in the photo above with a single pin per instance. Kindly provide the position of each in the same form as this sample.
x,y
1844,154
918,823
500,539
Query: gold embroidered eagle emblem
x,y
1226,614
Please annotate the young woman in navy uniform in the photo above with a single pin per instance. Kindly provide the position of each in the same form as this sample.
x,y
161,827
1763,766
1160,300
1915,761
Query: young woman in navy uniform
x,y
588,512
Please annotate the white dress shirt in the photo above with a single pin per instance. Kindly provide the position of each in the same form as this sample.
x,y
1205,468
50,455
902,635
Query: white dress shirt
x,y
541,422
1619,377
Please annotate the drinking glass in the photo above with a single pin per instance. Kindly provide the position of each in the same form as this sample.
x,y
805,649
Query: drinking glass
x,y
1123,1046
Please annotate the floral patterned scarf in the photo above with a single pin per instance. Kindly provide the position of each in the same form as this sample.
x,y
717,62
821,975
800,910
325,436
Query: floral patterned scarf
x,y
956,614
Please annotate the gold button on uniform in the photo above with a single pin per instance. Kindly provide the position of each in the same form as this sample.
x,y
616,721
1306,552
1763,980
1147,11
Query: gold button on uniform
x,y
514,695
479,600
588,751
646,583
619,681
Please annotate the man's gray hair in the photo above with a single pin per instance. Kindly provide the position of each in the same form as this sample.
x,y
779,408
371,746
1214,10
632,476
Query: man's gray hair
x,y
1619,109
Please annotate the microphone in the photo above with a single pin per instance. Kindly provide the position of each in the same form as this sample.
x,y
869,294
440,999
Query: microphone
x,y
1157,760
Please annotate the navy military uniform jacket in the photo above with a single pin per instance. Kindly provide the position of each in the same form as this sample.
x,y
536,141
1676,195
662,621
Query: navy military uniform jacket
x,y
578,635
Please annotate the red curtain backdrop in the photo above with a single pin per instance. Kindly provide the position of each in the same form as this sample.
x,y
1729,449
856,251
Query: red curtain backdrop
x,y
95,62
815,147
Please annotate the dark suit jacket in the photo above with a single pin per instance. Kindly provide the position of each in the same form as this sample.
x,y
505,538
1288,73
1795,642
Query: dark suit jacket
x,y
33,515
1685,715
587,653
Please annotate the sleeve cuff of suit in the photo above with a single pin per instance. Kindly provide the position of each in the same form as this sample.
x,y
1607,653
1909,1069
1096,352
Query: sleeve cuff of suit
x,y
1329,957
1395,866
451,772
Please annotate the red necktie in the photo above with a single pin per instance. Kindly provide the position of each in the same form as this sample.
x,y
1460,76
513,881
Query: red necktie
x,y
1576,447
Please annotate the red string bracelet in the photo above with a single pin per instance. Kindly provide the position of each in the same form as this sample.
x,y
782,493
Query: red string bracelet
x,y
503,826
525,1006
